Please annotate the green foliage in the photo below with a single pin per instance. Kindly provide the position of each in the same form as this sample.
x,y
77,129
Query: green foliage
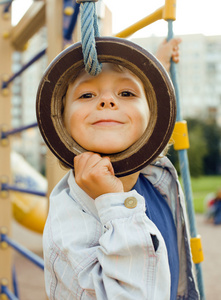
x,y
211,135
204,158
212,161
201,187
197,151
204,153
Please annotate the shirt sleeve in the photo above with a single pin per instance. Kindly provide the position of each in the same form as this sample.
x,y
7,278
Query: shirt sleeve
x,y
105,256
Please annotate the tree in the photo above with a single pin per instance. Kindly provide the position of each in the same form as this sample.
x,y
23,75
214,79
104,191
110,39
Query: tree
x,y
197,151
204,152
212,161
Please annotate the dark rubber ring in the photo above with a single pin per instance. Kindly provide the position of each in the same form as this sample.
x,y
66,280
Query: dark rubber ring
x,y
161,98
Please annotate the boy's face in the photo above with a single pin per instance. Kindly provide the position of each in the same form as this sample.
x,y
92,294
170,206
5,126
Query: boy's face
x,y
107,113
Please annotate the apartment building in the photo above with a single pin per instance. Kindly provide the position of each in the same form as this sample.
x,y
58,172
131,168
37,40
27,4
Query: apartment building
x,y
199,73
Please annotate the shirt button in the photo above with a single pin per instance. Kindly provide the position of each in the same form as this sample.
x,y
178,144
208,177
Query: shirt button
x,y
130,202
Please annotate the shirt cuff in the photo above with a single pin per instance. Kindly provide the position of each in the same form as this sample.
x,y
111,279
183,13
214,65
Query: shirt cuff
x,y
119,205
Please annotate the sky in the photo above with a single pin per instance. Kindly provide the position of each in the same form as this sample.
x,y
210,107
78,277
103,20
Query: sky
x,y
192,16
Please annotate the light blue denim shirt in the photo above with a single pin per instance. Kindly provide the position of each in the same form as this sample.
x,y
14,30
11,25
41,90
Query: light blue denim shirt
x,y
100,249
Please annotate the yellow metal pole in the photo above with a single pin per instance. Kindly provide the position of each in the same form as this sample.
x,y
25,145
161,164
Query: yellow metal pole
x,y
5,122
169,11
166,12
155,16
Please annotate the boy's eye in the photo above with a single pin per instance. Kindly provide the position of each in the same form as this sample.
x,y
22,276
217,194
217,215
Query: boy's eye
x,y
127,94
86,96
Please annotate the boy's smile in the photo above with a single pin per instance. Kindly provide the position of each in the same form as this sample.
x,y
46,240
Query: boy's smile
x,y
107,113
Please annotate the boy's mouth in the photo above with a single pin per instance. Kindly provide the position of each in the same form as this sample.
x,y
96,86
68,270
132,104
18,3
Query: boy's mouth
x,y
108,122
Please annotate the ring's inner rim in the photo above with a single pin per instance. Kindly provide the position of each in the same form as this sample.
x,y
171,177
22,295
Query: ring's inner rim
x,y
57,107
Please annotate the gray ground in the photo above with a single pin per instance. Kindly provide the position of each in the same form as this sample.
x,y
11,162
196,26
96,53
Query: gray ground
x,y
31,282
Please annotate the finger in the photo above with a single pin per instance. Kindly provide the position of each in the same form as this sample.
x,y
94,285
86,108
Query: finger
x,y
111,169
96,165
102,175
92,161
164,42
95,171
175,42
81,157
106,164
88,167
175,48
176,53
176,56
80,162
175,59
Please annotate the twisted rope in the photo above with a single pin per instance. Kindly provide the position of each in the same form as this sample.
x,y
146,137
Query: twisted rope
x,y
184,169
89,30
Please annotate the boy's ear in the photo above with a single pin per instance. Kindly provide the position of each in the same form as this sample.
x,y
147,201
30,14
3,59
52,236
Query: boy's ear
x,y
161,99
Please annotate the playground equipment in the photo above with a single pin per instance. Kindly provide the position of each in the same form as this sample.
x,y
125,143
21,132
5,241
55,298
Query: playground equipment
x,y
16,38
29,210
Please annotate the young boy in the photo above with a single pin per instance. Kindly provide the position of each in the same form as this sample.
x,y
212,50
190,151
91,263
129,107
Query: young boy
x,y
109,237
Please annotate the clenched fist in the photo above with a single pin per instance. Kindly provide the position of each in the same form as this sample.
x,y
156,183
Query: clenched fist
x,y
95,175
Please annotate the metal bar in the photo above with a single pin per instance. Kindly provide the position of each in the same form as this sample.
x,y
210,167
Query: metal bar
x,y
82,1
34,59
5,1
38,261
6,291
6,51
7,187
169,12
184,170
185,175
155,16
15,284
17,130
7,6
69,31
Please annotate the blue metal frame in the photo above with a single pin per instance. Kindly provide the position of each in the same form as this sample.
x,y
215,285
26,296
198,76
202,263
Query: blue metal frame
x,y
15,284
5,134
68,32
34,59
6,2
6,291
7,7
38,261
184,170
8,187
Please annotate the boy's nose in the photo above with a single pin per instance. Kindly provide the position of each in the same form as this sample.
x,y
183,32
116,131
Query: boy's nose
x,y
107,101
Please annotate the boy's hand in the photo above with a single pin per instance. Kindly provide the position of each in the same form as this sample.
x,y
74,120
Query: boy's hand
x,y
95,175
168,50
